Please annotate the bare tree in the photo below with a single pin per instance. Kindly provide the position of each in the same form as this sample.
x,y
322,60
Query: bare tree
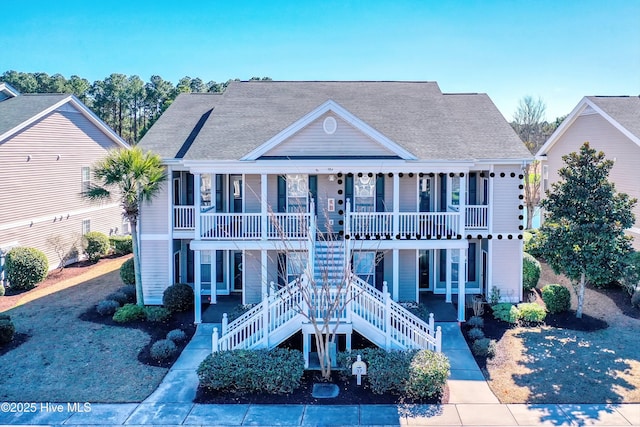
x,y
64,251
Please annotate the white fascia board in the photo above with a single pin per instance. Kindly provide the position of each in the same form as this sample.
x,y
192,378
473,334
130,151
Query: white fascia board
x,y
614,123
325,166
91,116
345,115
7,88
34,118
566,123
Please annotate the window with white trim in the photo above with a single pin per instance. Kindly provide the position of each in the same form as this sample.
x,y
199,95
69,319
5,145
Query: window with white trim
x,y
86,178
545,177
86,226
297,192
364,193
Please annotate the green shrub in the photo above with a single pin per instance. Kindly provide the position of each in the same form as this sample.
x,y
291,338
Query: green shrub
x,y
484,347
121,245
178,297
156,314
25,267
635,299
534,244
475,322
415,373
163,349
176,335
277,371
530,272
557,298
96,245
129,313
475,334
526,237
2,289
107,307
531,312
7,330
127,272
506,312
118,297
129,291
428,374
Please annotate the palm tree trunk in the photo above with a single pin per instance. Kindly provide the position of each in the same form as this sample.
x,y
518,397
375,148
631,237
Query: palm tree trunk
x,y
136,260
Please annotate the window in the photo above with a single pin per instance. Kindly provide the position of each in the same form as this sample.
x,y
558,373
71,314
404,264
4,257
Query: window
x,y
545,177
364,266
296,264
205,191
471,263
86,179
364,193
297,192
205,267
455,191
86,226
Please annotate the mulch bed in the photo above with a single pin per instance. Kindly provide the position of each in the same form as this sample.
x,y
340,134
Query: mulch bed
x,y
350,394
157,331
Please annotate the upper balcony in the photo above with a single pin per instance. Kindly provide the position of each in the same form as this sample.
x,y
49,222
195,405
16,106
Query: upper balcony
x,y
359,225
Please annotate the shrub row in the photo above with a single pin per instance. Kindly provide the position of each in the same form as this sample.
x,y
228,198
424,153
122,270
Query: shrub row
x,y
418,374
97,244
528,312
132,312
277,371
121,245
25,267
480,346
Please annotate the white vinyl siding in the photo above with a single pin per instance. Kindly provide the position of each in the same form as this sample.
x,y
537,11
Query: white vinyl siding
x,y
252,277
154,216
408,286
252,193
345,141
506,202
506,256
408,196
156,270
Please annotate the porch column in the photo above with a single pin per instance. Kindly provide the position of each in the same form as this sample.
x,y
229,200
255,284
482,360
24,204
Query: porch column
x,y
462,281
197,202
463,204
396,274
264,219
490,203
198,287
263,260
396,207
448,267
214,276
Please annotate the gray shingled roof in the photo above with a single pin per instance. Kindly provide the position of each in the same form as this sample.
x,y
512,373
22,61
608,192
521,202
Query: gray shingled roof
x,y
623,109
15,111
415,115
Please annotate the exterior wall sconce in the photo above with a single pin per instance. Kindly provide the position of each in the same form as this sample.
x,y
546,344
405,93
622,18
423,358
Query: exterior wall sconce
x,y
332,178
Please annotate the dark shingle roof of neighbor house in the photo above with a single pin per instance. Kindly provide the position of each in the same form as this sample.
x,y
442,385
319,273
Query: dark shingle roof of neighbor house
x,y
623,109
415,115
15,111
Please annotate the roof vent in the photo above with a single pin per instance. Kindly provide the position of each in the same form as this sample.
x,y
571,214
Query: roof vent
x,y
329,125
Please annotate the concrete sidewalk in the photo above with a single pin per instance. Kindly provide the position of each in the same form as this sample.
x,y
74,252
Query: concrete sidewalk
x,y
328,415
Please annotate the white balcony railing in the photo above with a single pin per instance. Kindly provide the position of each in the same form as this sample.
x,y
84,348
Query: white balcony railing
x,y
184,217
476,217
371,223
248,226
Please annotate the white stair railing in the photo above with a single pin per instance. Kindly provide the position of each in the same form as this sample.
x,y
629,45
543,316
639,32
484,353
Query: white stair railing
x,y
400,328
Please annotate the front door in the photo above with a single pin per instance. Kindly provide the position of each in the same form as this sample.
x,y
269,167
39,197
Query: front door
x,y
237,271
424,270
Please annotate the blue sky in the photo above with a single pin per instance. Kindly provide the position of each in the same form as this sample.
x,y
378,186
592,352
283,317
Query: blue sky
x,y
559,50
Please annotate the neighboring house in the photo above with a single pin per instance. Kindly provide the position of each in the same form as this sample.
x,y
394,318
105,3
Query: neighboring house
x,y
420,189
48,142
610,124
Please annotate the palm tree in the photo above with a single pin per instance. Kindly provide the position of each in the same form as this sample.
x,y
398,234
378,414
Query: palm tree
x,y
134,176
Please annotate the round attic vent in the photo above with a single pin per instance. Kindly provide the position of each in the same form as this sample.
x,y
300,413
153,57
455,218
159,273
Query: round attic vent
x,y
330,125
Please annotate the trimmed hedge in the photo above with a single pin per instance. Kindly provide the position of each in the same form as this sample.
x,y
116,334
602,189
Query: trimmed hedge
x,y
96,245
127,272
107,307
475,322
7,329
176,335
129,313
163,349
530,272
557,298
419,374
531,312
25,267
506,312
129,291
121,245
178,297
156,314
277,371
475,334
118,297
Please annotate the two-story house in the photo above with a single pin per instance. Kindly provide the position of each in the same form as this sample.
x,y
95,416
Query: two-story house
x,y
610,124
48,143
416,188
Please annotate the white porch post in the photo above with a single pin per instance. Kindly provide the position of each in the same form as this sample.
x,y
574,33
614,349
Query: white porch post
x,y
490,202
306,348
197,207
396,208
198,288
396,275
214,275
462,281
448,268
489,269
263,260
264,219
463,204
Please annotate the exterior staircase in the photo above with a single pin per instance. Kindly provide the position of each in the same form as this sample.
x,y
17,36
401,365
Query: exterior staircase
x,y
329,261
